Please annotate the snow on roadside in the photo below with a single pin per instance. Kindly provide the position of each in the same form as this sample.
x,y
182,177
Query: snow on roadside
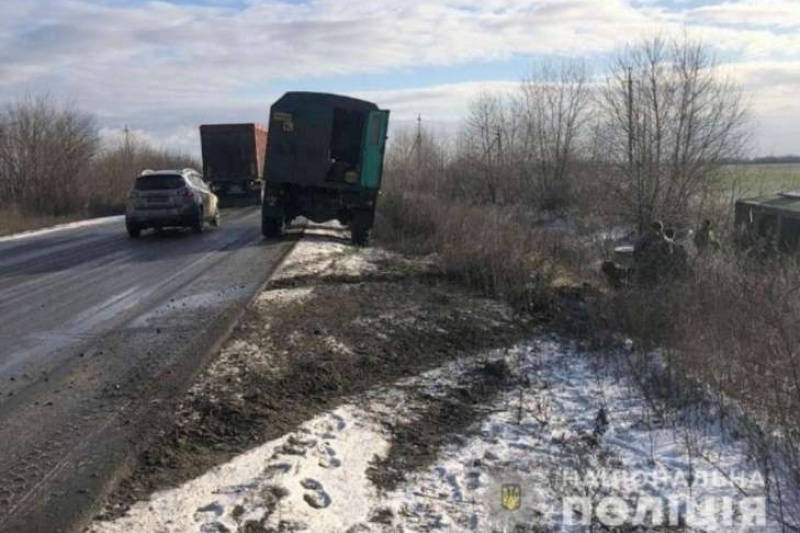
x,y
569,430
313,479
70,225
578,436
324,252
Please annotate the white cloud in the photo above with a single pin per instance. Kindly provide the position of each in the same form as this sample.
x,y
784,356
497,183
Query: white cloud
x,y
763,13
163,67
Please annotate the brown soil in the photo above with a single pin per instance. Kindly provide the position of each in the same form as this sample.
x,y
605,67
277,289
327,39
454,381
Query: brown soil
x,y
293,358
416,444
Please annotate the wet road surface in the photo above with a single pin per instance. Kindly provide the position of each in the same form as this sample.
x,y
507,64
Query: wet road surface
x,y
98,336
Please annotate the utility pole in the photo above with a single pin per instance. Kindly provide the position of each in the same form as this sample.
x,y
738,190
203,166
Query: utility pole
x,y
499,140
418,142
632,167
630,117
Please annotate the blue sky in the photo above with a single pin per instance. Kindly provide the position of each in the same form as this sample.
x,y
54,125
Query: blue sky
x,y
164,67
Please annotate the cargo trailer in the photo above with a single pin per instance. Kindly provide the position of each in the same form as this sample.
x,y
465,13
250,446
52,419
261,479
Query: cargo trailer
x,y
324,161
233,159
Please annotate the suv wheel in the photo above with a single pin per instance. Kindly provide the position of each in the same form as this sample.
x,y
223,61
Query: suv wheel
x,y
198,224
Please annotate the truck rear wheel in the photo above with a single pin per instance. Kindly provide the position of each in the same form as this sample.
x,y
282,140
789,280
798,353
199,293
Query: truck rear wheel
x,y
360,226
272,226
133,230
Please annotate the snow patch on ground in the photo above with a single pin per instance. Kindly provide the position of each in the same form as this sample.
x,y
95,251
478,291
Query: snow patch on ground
x,y
549,439
322,252
313,479
570,428
284,296
337,346
69,225
311,258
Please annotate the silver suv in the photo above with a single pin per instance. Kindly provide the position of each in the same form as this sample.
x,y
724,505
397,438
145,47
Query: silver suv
x,y
162,198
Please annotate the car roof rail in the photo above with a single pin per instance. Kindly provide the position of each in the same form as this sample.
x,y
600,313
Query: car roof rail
x,y
146,171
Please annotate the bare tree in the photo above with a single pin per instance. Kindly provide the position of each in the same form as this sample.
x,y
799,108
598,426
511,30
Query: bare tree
x,y
417,161
670,122
481,144
108,179
44,148
552,103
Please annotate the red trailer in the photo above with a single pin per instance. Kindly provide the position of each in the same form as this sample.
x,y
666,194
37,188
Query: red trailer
x,y
233,158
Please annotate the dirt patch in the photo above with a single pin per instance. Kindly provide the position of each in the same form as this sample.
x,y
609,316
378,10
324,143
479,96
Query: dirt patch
x,y
417,443
309,343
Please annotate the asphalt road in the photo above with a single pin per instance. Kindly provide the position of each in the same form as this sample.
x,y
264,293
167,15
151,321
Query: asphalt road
x,y
99,334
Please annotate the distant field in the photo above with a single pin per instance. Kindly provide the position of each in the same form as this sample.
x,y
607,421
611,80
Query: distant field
x,y
754,180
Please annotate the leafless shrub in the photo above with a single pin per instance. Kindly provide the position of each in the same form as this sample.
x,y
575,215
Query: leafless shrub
x,y
52,166
112,171
553,104
483,249
524,147
419,160
731,328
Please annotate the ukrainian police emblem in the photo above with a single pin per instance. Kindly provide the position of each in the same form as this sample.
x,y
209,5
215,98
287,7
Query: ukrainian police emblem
x,y
511,497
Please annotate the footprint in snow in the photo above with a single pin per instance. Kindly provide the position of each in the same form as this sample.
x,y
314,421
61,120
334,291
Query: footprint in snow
x,y
327,456
214,507
214,527
316,496
340,422
473,480
275,469
209,512
329,462
294,445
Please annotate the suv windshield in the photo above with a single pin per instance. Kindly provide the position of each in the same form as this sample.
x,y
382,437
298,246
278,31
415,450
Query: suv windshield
x,y
159,182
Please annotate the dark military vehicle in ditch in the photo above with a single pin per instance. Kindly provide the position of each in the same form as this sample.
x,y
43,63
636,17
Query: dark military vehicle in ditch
x,y
324,161
770,222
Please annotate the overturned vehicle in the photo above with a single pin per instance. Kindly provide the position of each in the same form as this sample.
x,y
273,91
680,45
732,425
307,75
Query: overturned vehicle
x,y
769,222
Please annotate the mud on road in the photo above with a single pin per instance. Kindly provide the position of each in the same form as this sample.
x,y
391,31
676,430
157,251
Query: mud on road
x,y
334,321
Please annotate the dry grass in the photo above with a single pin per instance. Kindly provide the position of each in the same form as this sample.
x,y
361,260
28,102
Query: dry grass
x,y
480,248
12,220
730,330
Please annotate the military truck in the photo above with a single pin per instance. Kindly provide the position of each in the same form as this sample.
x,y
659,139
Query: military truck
x,y
324,161
233,160
769,222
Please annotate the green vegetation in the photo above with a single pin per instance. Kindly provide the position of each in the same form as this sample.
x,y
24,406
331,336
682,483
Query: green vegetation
x,y
755,180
